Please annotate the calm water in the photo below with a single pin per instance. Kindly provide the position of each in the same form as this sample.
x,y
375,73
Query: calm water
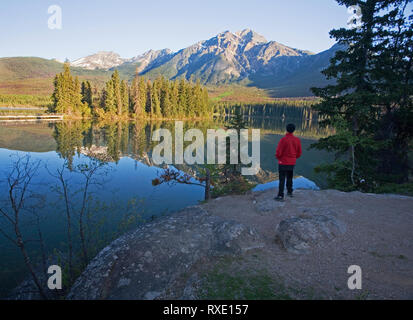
x,y
124,194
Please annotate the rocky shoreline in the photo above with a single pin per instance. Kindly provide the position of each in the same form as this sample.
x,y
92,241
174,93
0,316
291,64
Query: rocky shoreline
x,y
146,263
305,244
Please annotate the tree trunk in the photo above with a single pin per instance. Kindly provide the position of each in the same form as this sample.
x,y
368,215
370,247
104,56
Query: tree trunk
x,y
27,262
208,185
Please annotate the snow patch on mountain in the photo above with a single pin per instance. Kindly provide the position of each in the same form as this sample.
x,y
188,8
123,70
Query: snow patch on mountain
x,y
101,60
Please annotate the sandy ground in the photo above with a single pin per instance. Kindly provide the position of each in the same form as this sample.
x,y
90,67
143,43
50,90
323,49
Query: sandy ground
x,y
379,239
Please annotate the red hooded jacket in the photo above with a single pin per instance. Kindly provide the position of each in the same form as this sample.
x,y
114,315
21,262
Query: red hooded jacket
x,y
288,150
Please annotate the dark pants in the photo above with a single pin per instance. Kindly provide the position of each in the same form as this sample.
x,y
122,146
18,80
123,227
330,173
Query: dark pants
x,y
285,172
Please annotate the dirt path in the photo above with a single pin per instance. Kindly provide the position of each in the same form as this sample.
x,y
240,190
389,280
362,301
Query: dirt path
x,y
378,238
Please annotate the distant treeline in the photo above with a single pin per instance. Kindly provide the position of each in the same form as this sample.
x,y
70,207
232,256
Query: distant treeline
x,y
231,107
158,99
16,100
273,110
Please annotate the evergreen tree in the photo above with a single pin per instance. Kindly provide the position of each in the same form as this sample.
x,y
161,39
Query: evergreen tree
x,y
174,98
135,106
237,123
190,100
155,99
162,98
142,94
182,97
117,93
373,85
165,99
392,78
87,95
109,104
76,97
198,99
58,94
124,90
149,108
67,97
138,95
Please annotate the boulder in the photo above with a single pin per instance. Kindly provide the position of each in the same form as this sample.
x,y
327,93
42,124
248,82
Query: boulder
x,y
146,263
300,234
267,206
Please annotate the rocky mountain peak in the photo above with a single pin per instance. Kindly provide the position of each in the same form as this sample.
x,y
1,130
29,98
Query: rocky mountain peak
x,y
225,58
249,35
151,58
101,60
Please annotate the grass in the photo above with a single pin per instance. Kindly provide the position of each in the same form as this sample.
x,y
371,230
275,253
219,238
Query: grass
x,y
260,286
220,97
32,86
34,76
23,100
223,283
363,295
238,94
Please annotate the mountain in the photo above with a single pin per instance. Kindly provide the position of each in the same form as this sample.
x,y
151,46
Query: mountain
x,y
225,58
244,58
101,60
294,76
247,58
151,59
146,61
32,75
106,60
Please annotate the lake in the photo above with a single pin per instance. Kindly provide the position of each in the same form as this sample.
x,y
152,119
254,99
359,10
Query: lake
x,y
123,194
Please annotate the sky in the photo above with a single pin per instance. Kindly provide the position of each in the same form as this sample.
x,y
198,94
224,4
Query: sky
x,y
131,27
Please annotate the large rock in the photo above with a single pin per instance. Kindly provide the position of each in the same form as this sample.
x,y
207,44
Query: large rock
x,y
147,262
300,234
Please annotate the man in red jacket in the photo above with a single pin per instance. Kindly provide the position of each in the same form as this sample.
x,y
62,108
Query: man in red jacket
x,y
288,151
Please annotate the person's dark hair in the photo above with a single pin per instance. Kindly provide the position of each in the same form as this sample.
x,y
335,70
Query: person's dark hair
x,y
291,128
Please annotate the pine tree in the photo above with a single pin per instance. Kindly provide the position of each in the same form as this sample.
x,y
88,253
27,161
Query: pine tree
x,y
237,123
165,99
117,93
57,96
190,100
392,77
162,98
174,98
109,104
135,102
87,95
76,97
198,99
67,89
149,108
368,89
67,95
142,94
138,95
124,90
182,98
155,99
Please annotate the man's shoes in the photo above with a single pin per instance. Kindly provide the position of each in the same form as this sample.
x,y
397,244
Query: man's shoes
x,y
279,198
290,195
